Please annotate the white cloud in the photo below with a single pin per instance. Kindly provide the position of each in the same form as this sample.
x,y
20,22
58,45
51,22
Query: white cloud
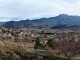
x,y
31,9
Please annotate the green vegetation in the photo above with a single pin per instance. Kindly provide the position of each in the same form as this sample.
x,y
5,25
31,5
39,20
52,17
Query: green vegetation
x,y
38,45
51,43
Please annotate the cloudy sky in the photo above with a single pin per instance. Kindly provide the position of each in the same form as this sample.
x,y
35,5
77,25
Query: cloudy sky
x,y
32,9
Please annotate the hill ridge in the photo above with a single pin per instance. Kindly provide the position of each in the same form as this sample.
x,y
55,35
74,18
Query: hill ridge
x,y
44,22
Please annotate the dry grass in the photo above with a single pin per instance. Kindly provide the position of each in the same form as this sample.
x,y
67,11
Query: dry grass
x,y
9,50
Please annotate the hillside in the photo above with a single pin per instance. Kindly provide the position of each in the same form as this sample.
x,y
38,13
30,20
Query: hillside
x,y
13,51
1,23
65,26
44,22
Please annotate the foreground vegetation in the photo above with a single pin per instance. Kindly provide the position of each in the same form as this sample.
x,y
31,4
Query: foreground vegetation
x,y
13,51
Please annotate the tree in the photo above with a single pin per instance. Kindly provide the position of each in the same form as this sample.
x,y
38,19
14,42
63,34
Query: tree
x,y
51,43
38,44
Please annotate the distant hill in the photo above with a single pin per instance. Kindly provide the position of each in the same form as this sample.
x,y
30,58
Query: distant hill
x,y
65,26
44,22
1,23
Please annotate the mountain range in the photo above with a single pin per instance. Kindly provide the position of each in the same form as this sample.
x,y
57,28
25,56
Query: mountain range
x,y
44,22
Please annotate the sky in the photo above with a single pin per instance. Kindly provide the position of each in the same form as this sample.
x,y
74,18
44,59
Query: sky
x,y
15,10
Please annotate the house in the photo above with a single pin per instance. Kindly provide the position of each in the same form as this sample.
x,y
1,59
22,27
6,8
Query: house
x,y
43,41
